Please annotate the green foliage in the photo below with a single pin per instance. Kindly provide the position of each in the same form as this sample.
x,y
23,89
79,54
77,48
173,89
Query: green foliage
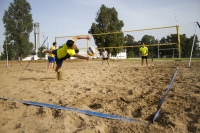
x,y
39,53
131,52
186,46
107,22
8,47
166,40
147,39
18,25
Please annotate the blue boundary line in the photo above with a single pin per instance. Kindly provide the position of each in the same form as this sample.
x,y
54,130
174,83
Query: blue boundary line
x,y
164,97
97,114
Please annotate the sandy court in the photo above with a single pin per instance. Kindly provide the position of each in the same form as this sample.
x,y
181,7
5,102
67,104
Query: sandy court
x,y
123,89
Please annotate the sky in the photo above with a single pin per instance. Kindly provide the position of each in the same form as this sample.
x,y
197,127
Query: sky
x,y
75,17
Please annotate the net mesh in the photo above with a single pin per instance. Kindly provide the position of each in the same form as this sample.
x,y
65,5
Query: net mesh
x,y
157,33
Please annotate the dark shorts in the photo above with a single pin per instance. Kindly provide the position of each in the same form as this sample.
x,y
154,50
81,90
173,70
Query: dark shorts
x,y
144,57
105,58
59,61
51,59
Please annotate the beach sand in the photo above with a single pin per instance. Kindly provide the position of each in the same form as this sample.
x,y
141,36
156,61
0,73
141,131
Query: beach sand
x,y
122,89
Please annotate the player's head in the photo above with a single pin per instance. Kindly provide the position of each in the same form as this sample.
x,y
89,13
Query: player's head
x,y
71,44
143,44
54,43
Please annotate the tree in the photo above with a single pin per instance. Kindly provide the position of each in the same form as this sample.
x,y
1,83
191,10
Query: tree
x,y
129,42
169,50
147,40
187,46
107,22
18,24
131,52
39,53
8,47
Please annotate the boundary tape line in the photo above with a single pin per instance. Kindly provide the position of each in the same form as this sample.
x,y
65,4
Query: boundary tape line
x,y
87,112
98,114
164,97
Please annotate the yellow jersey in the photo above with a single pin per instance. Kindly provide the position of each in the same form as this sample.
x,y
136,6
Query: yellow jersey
x,y
144,51
52,48
62,52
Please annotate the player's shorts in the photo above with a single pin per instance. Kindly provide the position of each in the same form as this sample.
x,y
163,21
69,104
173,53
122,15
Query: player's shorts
x,y
51,59
59,61
105,58
144,57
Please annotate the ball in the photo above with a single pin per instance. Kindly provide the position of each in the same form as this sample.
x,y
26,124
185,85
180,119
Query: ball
x,y
91,51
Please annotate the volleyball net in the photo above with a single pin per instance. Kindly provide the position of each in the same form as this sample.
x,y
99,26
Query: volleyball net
x,y
154,38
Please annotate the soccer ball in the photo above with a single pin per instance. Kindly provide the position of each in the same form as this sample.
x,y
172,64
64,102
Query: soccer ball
x,y
91,51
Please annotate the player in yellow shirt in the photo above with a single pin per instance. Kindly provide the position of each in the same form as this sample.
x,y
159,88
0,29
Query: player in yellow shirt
x,y
67,51
51,58
144,53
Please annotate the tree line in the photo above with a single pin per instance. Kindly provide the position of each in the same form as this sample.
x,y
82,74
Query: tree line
x,y
18,24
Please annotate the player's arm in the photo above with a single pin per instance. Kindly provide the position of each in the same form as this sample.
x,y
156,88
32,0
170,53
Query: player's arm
x,y
141,52
146,51
81,57
81,37
47,51
108,56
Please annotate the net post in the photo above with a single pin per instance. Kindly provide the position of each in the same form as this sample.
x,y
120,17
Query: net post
x,y
192,45
179,42
55,39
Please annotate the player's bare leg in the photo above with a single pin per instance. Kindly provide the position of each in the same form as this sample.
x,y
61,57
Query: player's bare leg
x,y
54,66
142,62
102,63
108,63
49,64
146,62
59,72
